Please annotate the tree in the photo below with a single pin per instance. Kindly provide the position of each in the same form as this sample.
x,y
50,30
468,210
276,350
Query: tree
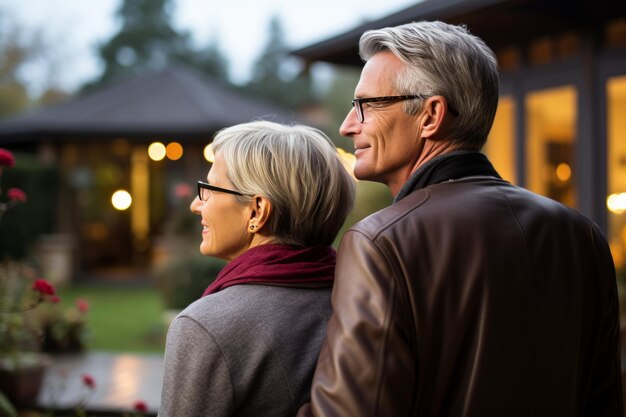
x,y
210,61
336,101
13,94
147,41
275,74
21,48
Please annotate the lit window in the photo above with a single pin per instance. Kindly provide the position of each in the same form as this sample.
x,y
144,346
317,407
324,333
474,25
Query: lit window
x,y
551,129
616,175
500,146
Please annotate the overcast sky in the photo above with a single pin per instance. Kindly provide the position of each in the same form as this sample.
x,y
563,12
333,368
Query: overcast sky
x,y
240,26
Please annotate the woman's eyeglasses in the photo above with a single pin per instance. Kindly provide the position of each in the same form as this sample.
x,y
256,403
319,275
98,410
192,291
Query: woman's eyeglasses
x,y
204,188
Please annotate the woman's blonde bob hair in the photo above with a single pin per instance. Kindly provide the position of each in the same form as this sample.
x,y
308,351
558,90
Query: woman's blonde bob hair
x,y
298,169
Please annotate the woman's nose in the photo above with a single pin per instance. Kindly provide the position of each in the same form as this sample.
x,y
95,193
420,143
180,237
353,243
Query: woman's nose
x,y
196,206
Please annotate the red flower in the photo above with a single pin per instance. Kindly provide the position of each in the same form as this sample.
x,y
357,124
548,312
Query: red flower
x,y
82,305
17,195
140,406
54,299
6,158
183,190
89,381
43,287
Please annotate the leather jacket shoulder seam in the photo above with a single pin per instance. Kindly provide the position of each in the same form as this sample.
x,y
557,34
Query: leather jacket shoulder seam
x,y
372,234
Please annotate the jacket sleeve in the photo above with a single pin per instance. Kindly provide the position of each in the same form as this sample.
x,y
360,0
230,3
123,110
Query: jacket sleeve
x,y
366,367
605,388
196,379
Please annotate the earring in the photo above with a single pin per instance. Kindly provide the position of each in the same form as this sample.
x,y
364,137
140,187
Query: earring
x,y
252,227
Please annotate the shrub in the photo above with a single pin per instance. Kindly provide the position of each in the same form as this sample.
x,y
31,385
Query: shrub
x,y
183,280
20,227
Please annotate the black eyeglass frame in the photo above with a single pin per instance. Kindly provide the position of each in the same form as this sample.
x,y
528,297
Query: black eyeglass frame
x,y
206,186
357,103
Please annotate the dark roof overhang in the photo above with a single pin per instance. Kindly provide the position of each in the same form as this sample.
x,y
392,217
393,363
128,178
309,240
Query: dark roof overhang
x,y
499,23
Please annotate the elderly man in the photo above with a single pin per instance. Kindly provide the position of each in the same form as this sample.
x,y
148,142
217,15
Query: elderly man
x,y
468,296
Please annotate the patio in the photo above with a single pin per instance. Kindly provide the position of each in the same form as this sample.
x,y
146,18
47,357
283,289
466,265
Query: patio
x,y
121,379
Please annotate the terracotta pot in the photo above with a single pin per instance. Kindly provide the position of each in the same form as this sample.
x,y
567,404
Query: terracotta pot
x,y
22,385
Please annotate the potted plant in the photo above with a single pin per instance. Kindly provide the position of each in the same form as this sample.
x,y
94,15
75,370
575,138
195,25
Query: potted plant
x,y
21,364
65,330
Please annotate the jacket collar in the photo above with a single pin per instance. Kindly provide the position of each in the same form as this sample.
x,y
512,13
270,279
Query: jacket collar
x,y
450,166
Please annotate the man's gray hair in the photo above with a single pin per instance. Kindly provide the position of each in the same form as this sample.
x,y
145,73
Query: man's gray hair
x,y
443,59
298,169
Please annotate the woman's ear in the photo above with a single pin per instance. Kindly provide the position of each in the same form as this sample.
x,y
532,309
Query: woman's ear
x,y
260,213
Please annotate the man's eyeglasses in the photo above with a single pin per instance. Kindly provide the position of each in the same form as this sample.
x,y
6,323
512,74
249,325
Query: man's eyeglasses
x,y
204,188
357,103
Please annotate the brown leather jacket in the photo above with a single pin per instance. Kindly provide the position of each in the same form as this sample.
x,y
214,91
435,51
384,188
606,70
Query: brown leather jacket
x,y
472,297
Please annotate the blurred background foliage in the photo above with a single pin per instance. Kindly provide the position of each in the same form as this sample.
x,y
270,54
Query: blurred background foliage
x,y
21,226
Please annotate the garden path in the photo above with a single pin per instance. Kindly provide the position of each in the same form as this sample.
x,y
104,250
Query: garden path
x,y
121,379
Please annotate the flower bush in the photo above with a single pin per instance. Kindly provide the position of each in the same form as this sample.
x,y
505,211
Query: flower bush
x,y
15,195
65,329
33,187
21,291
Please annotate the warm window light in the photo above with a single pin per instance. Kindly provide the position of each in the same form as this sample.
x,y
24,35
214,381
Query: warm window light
x,y
616,203
121,200
174,151
563,172
208,153
156,151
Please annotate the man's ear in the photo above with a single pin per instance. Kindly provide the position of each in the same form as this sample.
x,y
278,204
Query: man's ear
x,y
261,209
435,110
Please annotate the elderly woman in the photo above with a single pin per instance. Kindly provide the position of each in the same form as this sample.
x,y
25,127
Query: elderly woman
x,y
274,201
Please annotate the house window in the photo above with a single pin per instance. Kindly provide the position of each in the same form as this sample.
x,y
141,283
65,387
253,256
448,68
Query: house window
x,y
550,143
616,175
500,146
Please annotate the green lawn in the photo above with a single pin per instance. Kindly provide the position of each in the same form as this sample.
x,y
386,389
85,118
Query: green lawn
x,y
121,319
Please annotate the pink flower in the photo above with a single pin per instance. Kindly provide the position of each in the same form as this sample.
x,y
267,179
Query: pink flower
x,y
140,406
17,195
82,305
89,381
183,190
43,287
6,158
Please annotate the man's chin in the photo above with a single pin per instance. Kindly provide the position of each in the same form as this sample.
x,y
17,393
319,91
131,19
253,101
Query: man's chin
x,y
362,172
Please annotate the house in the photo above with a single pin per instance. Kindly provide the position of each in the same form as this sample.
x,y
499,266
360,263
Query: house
x,y
143,141
560,129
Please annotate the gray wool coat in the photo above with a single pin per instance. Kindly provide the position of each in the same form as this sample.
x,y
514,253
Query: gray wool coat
x,y
248,350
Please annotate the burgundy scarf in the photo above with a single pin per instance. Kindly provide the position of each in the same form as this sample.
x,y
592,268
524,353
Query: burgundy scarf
x,y
279,265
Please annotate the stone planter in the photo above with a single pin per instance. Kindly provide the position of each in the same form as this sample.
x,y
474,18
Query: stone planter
x,y
55,253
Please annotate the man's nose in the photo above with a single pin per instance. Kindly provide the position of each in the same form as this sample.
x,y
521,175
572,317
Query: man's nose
x,y
350,125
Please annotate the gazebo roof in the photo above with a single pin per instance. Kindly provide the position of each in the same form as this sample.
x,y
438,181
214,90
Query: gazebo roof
x,y
499,23
174,101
